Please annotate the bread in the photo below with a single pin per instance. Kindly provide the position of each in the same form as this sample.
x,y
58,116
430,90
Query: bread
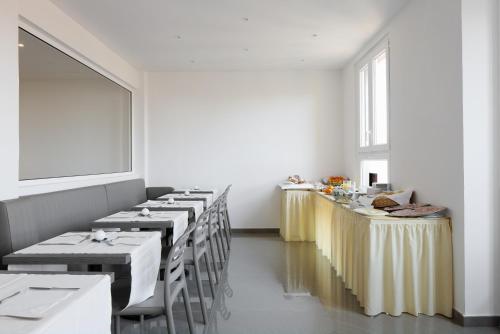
x,y
383,202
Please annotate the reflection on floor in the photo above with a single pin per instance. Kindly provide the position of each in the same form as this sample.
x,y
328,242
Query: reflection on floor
x,y
276,287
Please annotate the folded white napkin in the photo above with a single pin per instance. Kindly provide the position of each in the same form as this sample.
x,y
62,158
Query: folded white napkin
x,y
8,279
33,304
67,239
125,214
129,241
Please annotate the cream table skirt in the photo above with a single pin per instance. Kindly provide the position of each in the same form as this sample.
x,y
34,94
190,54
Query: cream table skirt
x,y
297,215
392,265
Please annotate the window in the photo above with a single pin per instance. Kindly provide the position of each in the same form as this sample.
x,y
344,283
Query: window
x,y
73,121
378,167
373,107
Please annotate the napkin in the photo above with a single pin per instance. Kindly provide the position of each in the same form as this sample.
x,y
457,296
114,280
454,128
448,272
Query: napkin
x,y
33,304
8,279
129,241
72,239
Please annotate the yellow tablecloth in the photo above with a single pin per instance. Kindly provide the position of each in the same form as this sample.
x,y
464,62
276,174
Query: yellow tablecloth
x,y
392,265
297,215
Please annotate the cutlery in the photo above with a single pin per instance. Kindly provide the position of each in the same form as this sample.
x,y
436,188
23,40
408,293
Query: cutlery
x,y
108,242
127,244
86,238
12,295
73,235
51,288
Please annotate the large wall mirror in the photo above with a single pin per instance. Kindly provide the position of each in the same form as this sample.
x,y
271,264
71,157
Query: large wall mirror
x,y
72,120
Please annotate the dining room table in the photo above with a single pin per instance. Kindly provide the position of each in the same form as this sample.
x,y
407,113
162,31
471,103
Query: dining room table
x,y
207,199
138,251
54,303
194,208
161,220
195,190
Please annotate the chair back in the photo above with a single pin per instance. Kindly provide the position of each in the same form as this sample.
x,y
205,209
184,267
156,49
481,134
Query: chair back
x,y
213,221
174,267
199,234
222,207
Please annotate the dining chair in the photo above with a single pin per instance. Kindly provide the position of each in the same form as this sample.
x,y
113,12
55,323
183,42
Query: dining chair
x,y
166,291
223,220
192,257
214,238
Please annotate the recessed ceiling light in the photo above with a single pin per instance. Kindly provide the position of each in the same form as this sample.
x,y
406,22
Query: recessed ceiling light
x,y
245,19
315,35
178,36
245,49
302,60
21,45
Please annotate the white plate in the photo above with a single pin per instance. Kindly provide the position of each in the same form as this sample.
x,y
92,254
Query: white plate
x,y
371,212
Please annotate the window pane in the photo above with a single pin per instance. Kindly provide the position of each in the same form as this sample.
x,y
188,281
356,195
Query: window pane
x,y
380,99
364,100
378,166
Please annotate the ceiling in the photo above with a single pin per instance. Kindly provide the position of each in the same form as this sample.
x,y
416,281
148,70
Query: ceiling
x,y
204,35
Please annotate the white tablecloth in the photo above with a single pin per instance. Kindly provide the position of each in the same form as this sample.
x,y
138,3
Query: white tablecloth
x,y
294,186
197,206
144,264
86,310
194,197
214,192
179,218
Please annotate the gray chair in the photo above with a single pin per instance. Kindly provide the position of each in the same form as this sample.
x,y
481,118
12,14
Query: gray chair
x,y
223,216
215,240
192,257
166,291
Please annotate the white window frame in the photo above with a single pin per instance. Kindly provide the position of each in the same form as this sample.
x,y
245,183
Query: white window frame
x,y
373,152
374,156
366,60
35,186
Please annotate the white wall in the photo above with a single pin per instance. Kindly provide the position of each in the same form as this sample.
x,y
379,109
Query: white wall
x,y
44,19
481,156
250,129
9,117
426,113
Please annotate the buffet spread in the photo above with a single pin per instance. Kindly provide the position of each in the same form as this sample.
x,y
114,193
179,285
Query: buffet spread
x,y
394,255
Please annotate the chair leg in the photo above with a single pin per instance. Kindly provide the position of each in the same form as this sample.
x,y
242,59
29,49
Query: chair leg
x,y
117,324
225,245
187,305
219,248
221,234
170,318
210,278
141,324
227,229
214,259
201,295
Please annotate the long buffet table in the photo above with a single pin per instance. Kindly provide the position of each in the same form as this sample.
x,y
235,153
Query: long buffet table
x,y
392,265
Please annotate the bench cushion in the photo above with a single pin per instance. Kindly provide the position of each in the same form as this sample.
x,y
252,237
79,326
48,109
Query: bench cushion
x,y
31,219
124,195
155,192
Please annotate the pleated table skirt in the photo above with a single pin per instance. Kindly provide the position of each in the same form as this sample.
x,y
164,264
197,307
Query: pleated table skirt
x,y
392,265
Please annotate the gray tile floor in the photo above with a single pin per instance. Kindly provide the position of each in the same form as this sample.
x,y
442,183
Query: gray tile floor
x,y
275,287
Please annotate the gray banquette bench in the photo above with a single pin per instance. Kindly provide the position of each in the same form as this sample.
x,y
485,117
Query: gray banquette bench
x,y
30,219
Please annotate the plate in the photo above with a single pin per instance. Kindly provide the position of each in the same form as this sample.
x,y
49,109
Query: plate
x,y
419,212
370,212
